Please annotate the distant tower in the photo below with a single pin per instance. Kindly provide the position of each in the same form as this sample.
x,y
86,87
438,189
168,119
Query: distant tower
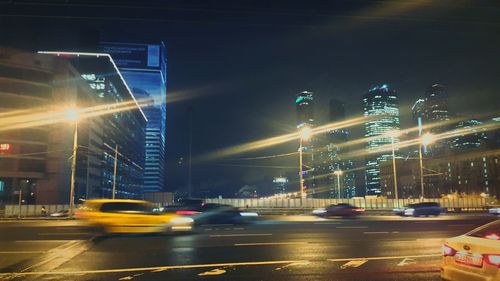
x,y
380,102
436,100
305,109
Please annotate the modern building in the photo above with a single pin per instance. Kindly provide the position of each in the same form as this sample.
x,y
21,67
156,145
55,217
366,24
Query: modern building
x,y
329,156
381,109
280,185
144,67
35,155
468,135
304,103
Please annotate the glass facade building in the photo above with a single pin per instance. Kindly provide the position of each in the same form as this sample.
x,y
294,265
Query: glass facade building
x,y
304,103
381,108
144,67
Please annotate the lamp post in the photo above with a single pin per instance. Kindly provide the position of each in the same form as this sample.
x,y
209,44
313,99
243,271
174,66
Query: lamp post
x,y
426,139
305,134
72,115
338,173
114,172
393,135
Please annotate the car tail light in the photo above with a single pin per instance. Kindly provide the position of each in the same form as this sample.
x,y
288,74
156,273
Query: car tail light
x,y
448,251
492,236
492,259
187,212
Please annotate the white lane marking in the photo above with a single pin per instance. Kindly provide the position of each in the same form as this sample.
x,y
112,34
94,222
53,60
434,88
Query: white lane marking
x,y
208,229
353,227
327,223
22,252
353,263
155,268
241,235
238,228
395,232
216,271
406,261
293,264
387,258
63,233
271,243
42,241
376,232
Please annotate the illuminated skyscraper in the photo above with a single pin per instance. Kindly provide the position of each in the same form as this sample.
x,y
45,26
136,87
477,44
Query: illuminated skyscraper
x,y
381,107
305,109
144,68
436,104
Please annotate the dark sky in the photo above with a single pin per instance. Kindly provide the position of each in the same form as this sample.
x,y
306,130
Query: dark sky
x,y
239,64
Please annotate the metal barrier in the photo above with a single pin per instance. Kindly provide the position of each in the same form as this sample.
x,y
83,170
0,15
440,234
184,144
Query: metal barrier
x,y
369,204
460,204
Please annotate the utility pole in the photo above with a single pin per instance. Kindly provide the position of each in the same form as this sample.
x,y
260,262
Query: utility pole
x,y
73,172
20,200
114,172
190,187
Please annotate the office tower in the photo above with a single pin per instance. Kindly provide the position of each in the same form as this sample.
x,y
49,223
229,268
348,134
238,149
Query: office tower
x,y
280,184
49,83
144,68
381,109
304,103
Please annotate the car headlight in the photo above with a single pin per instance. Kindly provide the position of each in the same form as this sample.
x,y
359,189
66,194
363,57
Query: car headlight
x,y
319,211
249,214
494,210
180,220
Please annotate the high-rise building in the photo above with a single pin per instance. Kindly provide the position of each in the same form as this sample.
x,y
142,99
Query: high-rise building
x,y
329,158
381,109
144,68
280,184
304,103
466,140
436,101
305,109
35,158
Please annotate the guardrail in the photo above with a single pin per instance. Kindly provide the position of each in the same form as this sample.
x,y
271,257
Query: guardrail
x,y
460,204
369,204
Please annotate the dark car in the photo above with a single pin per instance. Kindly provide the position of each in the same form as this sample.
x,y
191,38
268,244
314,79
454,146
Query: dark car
x,y
340,210
420,209
212,213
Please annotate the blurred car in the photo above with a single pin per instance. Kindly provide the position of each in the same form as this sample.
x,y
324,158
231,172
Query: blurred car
x,y
474,255
341,210
60,214
420,209
494,210
212,213
130,216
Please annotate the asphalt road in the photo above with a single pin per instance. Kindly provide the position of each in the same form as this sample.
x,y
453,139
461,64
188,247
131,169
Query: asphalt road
x,y
278,248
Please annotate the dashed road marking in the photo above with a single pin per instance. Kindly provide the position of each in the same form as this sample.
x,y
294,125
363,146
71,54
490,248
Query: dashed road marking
x,y
155,268
351,227
353,263
241,235
376,232
63,233
216,271
327,223
386,258
271,244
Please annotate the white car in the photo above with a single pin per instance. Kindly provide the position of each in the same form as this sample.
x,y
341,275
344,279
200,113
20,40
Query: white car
x,y
474,255
494,211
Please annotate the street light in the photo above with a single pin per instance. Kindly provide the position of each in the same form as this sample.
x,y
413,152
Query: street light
x,y
425,139
72,115
393,135
338,173
305,134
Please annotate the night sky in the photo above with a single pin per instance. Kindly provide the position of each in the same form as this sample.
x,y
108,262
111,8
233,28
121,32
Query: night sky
x,y
239,65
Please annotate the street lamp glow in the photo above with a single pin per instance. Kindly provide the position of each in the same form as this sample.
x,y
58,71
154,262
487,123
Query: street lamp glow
x,y
71,114
338,172
427,139
305,133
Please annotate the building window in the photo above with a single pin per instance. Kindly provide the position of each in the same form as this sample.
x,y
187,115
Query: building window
x,y
2,186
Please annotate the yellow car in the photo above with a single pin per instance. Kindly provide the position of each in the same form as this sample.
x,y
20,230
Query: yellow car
x,y
130,216
474,256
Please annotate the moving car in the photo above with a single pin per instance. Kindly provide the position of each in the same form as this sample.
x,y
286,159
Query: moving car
x,y
341,210
130,216
60,214
494,210
474,255
420,209
212,213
